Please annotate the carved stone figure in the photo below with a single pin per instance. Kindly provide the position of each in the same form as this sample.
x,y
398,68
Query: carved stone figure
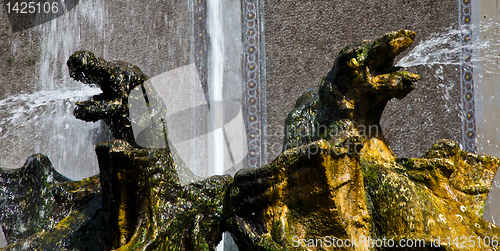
x,y
337,185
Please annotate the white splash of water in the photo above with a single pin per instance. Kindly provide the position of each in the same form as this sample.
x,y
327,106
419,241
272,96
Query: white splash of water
x,y
43,97
439,48
446,47
69,143
43,122
18,110
28,120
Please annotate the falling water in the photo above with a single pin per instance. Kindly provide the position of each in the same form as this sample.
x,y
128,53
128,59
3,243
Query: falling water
x,y
26,119
70,142
216,72
43,122
447,48
216,82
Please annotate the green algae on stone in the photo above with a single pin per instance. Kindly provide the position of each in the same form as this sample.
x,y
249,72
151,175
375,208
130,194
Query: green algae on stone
x,y
353,95
146,207
142,206
37,202
298,196
418,198
301,197
116,80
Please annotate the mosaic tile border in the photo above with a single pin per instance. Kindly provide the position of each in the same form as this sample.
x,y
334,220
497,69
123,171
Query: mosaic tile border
x,y
253,70
466,78
254,82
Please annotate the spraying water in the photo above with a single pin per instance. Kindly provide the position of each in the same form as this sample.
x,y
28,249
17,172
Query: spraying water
x,y
446,47
70,144
22,109
27,119
43,122
439,49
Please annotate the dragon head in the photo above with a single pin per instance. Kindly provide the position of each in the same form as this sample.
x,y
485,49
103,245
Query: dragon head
x,y
363,79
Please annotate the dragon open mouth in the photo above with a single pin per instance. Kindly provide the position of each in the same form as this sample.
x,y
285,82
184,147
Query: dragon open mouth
x,y
380,64
115,79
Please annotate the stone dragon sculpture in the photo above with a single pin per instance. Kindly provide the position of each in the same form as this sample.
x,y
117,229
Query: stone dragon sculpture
x,y
333,181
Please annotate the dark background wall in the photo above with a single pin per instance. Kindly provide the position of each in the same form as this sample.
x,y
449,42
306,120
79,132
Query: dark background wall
x,y
304,37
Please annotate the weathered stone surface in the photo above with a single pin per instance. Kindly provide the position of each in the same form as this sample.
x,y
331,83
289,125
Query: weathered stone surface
x,y
302,41
337,180
353,95
142,206
128,104
311,191
37,202
146,208
324,190
438,196
352,186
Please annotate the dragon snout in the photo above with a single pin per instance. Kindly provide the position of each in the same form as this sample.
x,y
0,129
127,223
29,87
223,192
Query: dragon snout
x,y
380,59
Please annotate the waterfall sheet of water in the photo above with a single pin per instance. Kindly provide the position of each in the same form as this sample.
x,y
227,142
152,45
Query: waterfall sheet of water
x,y
216,73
